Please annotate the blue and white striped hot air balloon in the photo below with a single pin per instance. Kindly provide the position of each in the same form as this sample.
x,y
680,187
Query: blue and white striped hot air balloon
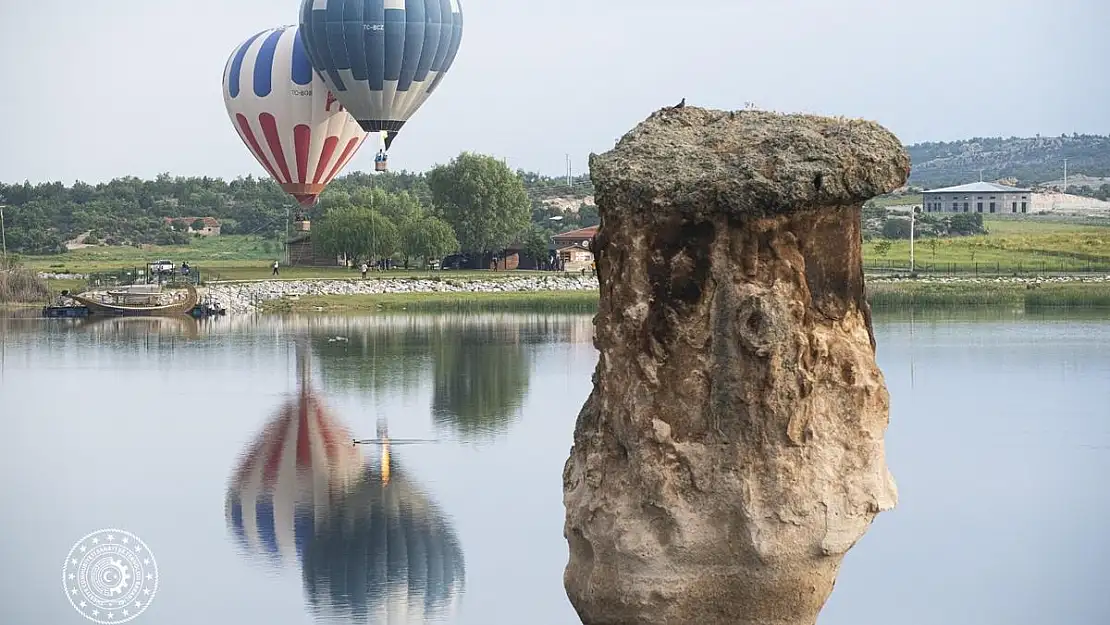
x,y
385,554
381,58
286,115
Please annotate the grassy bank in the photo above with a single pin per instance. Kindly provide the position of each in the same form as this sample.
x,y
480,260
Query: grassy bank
x,y
218,273
882,295
228,251
1011,246
534,301
1027,244
932,295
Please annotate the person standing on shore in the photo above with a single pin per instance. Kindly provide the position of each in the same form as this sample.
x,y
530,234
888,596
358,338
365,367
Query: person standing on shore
x,y
363,268
275,268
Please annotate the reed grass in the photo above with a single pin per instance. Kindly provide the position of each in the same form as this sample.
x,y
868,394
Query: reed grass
x,y
20,284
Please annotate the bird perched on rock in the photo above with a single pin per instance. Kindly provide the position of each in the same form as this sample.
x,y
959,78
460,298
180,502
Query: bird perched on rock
x,y
681,104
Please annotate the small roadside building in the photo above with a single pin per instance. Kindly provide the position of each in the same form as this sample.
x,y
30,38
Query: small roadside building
x,y
573,248
978,197
211,227
580,238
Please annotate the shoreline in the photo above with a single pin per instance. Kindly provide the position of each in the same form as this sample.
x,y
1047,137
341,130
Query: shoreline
x,y
567,294
570,293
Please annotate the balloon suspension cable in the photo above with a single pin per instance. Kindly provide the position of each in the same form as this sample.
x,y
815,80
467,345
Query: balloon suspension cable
x,y
395,441
304,366
383,439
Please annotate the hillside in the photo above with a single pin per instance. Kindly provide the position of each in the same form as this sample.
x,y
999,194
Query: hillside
x,y
1033,160
48,218
42,218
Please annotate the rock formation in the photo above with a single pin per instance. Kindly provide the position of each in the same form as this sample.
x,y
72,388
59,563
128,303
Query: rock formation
x,y
731,451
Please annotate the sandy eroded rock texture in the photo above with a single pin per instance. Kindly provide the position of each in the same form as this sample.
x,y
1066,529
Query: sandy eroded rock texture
x,y
731,451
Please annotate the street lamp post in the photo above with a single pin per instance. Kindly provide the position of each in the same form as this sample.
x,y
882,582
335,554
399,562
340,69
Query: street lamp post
x,y
913,215
3,234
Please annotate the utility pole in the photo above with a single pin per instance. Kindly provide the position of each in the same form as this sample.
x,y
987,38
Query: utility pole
x,y
288,235
1065,175
568,170
3,235
913,213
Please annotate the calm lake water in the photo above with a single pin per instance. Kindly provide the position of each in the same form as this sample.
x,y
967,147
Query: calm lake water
x,y
183,434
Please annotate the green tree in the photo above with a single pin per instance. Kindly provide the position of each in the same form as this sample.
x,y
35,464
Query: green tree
x,y
966,224
198,224
882,248
588,216
483,200
427,238
896,228
399,208
357,232
536,244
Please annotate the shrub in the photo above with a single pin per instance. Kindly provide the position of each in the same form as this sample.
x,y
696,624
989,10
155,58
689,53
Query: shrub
x,y
18,284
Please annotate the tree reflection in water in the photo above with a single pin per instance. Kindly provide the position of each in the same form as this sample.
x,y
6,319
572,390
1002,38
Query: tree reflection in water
x,y
477,366
481,377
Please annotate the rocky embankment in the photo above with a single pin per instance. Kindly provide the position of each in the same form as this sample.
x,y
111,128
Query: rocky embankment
x,y
247,297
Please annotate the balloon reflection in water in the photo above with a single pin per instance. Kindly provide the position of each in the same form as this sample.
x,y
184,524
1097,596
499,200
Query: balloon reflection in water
x,y
287,481
386,554
372,546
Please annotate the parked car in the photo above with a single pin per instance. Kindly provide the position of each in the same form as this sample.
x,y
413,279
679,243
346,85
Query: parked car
x,y
455,261
161,266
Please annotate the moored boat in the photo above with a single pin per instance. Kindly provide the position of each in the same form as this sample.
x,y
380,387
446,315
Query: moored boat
x,y
137,302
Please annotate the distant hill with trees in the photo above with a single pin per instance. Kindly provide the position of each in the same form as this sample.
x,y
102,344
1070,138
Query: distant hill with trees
x,y
1029,161
423,215
41,218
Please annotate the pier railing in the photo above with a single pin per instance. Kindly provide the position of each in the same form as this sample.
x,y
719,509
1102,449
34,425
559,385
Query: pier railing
x,y
140,275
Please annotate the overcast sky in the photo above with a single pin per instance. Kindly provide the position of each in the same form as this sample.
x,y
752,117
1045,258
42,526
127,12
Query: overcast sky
x,y
96,90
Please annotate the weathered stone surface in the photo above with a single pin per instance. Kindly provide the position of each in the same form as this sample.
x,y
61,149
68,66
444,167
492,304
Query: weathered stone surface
x,y
731,451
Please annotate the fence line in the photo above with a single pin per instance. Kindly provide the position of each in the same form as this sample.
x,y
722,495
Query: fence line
x,y
1037,267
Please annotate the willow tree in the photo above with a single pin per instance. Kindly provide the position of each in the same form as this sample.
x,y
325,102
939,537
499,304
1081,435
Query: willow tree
x,y
356,232
427,238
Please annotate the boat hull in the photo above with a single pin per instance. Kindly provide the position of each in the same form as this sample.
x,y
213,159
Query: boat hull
x,y
65,312
177,308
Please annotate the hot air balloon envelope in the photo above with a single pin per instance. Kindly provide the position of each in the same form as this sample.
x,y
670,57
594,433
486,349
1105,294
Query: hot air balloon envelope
x,y
288,478
286,115
382,58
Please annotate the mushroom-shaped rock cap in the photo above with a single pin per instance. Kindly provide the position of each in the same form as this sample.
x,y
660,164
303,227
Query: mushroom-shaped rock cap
x,y
748,163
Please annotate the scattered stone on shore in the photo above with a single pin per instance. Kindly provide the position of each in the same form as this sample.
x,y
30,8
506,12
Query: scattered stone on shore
x,y
247,297
731,451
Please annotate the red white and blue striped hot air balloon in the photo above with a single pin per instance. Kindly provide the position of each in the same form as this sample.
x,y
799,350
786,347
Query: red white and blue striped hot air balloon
x,y
285,114
287,482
